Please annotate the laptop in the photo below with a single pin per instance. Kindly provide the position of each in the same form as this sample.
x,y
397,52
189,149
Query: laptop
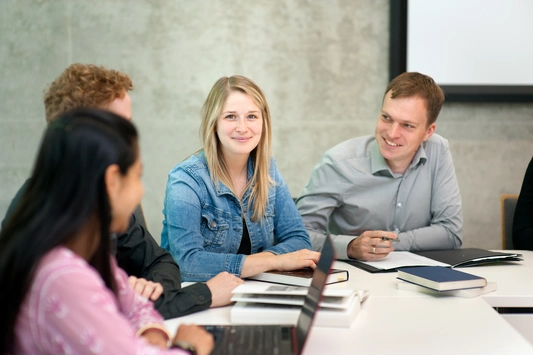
x,y
277,339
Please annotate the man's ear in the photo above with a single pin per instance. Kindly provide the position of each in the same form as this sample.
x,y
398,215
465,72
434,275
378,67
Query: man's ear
x,y
429,131
112,181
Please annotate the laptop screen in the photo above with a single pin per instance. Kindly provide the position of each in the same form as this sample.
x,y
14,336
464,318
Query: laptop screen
x,y
314,295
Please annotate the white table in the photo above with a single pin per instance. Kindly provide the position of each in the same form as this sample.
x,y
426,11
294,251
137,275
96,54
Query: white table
x,y
514,280
394,321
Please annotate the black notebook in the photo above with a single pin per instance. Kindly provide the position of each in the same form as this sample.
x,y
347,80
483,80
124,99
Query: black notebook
x,y
469,256
447,258
301,277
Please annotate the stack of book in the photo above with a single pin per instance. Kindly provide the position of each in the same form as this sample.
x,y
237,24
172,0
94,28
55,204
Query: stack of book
x,y
301,277
443,281
264,303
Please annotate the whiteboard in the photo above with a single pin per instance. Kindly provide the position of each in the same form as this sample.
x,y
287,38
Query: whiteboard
x,y
471,42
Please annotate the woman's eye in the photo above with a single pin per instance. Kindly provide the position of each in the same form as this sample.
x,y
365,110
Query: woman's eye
x,y
230,117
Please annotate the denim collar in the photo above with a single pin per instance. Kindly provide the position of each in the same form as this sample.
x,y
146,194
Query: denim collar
x,y
221,188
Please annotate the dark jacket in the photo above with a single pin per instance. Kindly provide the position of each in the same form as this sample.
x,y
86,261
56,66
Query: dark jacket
x,y
139,255
523,215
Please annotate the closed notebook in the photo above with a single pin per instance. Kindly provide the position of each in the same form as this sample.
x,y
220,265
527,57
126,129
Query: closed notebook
x,y
441,278
300,277
465,293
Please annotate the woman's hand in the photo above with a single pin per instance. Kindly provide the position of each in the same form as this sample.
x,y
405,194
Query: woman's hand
x,y
297,260
149,289
197,336
257,263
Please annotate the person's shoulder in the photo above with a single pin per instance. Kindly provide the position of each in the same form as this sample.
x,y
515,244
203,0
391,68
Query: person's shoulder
x,y
437,142
193,163
353,148
59,268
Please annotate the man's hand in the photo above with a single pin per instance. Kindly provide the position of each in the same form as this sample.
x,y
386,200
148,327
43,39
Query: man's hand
x,y
221,287
370,246
145,288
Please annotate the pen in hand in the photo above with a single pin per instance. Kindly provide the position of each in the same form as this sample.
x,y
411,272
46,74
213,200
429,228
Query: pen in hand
x,y
390,239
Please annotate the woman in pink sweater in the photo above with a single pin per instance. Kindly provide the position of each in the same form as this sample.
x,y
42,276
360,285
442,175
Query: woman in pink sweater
x,y
61,291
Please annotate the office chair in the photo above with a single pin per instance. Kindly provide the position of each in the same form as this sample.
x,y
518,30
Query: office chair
x,y
508,206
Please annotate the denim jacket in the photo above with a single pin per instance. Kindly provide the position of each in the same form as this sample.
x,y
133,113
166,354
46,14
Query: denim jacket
x,y
203,226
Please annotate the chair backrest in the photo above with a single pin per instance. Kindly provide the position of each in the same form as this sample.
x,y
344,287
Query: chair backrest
x,y
508,205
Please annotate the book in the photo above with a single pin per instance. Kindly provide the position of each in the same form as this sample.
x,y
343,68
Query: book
x,y
261,292
448,258
465,293
273,314
301,277
469,256
440,278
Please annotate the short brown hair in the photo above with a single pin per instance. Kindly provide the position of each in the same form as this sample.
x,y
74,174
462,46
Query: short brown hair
x,y
413,84
83,86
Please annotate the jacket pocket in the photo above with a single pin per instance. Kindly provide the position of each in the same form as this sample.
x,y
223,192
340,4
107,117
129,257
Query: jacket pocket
x,y
215,229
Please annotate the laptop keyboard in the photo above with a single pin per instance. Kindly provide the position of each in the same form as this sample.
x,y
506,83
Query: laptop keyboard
x,y
257,339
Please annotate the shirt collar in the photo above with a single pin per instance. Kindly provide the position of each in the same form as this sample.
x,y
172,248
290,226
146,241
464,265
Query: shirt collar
x,y
379,166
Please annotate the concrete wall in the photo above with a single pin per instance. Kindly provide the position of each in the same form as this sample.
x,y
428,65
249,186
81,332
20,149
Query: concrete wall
x,y
322,64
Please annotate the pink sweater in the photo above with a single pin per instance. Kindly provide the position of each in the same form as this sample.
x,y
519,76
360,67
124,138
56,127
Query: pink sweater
x,y
69,310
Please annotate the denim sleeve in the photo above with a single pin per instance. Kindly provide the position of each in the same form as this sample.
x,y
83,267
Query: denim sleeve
x,y
289,231
183,216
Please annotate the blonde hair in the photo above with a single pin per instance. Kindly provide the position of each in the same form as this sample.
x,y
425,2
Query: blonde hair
x,y
82,86
261,155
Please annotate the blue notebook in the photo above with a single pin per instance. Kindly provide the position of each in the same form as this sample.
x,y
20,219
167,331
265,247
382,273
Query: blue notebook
x,y
440,278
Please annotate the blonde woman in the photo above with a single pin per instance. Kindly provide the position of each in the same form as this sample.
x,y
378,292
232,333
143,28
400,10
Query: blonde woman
x,y
227,207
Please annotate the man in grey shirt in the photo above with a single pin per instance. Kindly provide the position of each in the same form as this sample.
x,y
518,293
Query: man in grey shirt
x,y
394,190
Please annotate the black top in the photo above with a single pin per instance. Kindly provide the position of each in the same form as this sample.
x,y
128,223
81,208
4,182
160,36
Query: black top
x,y
246,246
523,215
139,255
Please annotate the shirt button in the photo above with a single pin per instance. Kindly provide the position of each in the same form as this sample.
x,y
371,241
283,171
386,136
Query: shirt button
x,y
213,224
201,298
399,204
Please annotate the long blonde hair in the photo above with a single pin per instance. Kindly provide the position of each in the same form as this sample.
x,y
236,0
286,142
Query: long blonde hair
x,y
261,155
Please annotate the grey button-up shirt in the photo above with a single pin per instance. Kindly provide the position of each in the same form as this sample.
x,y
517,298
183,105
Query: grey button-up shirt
x,y
352,190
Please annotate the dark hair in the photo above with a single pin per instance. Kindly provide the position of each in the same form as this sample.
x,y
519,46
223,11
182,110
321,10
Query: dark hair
x,y
65,193
413,84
